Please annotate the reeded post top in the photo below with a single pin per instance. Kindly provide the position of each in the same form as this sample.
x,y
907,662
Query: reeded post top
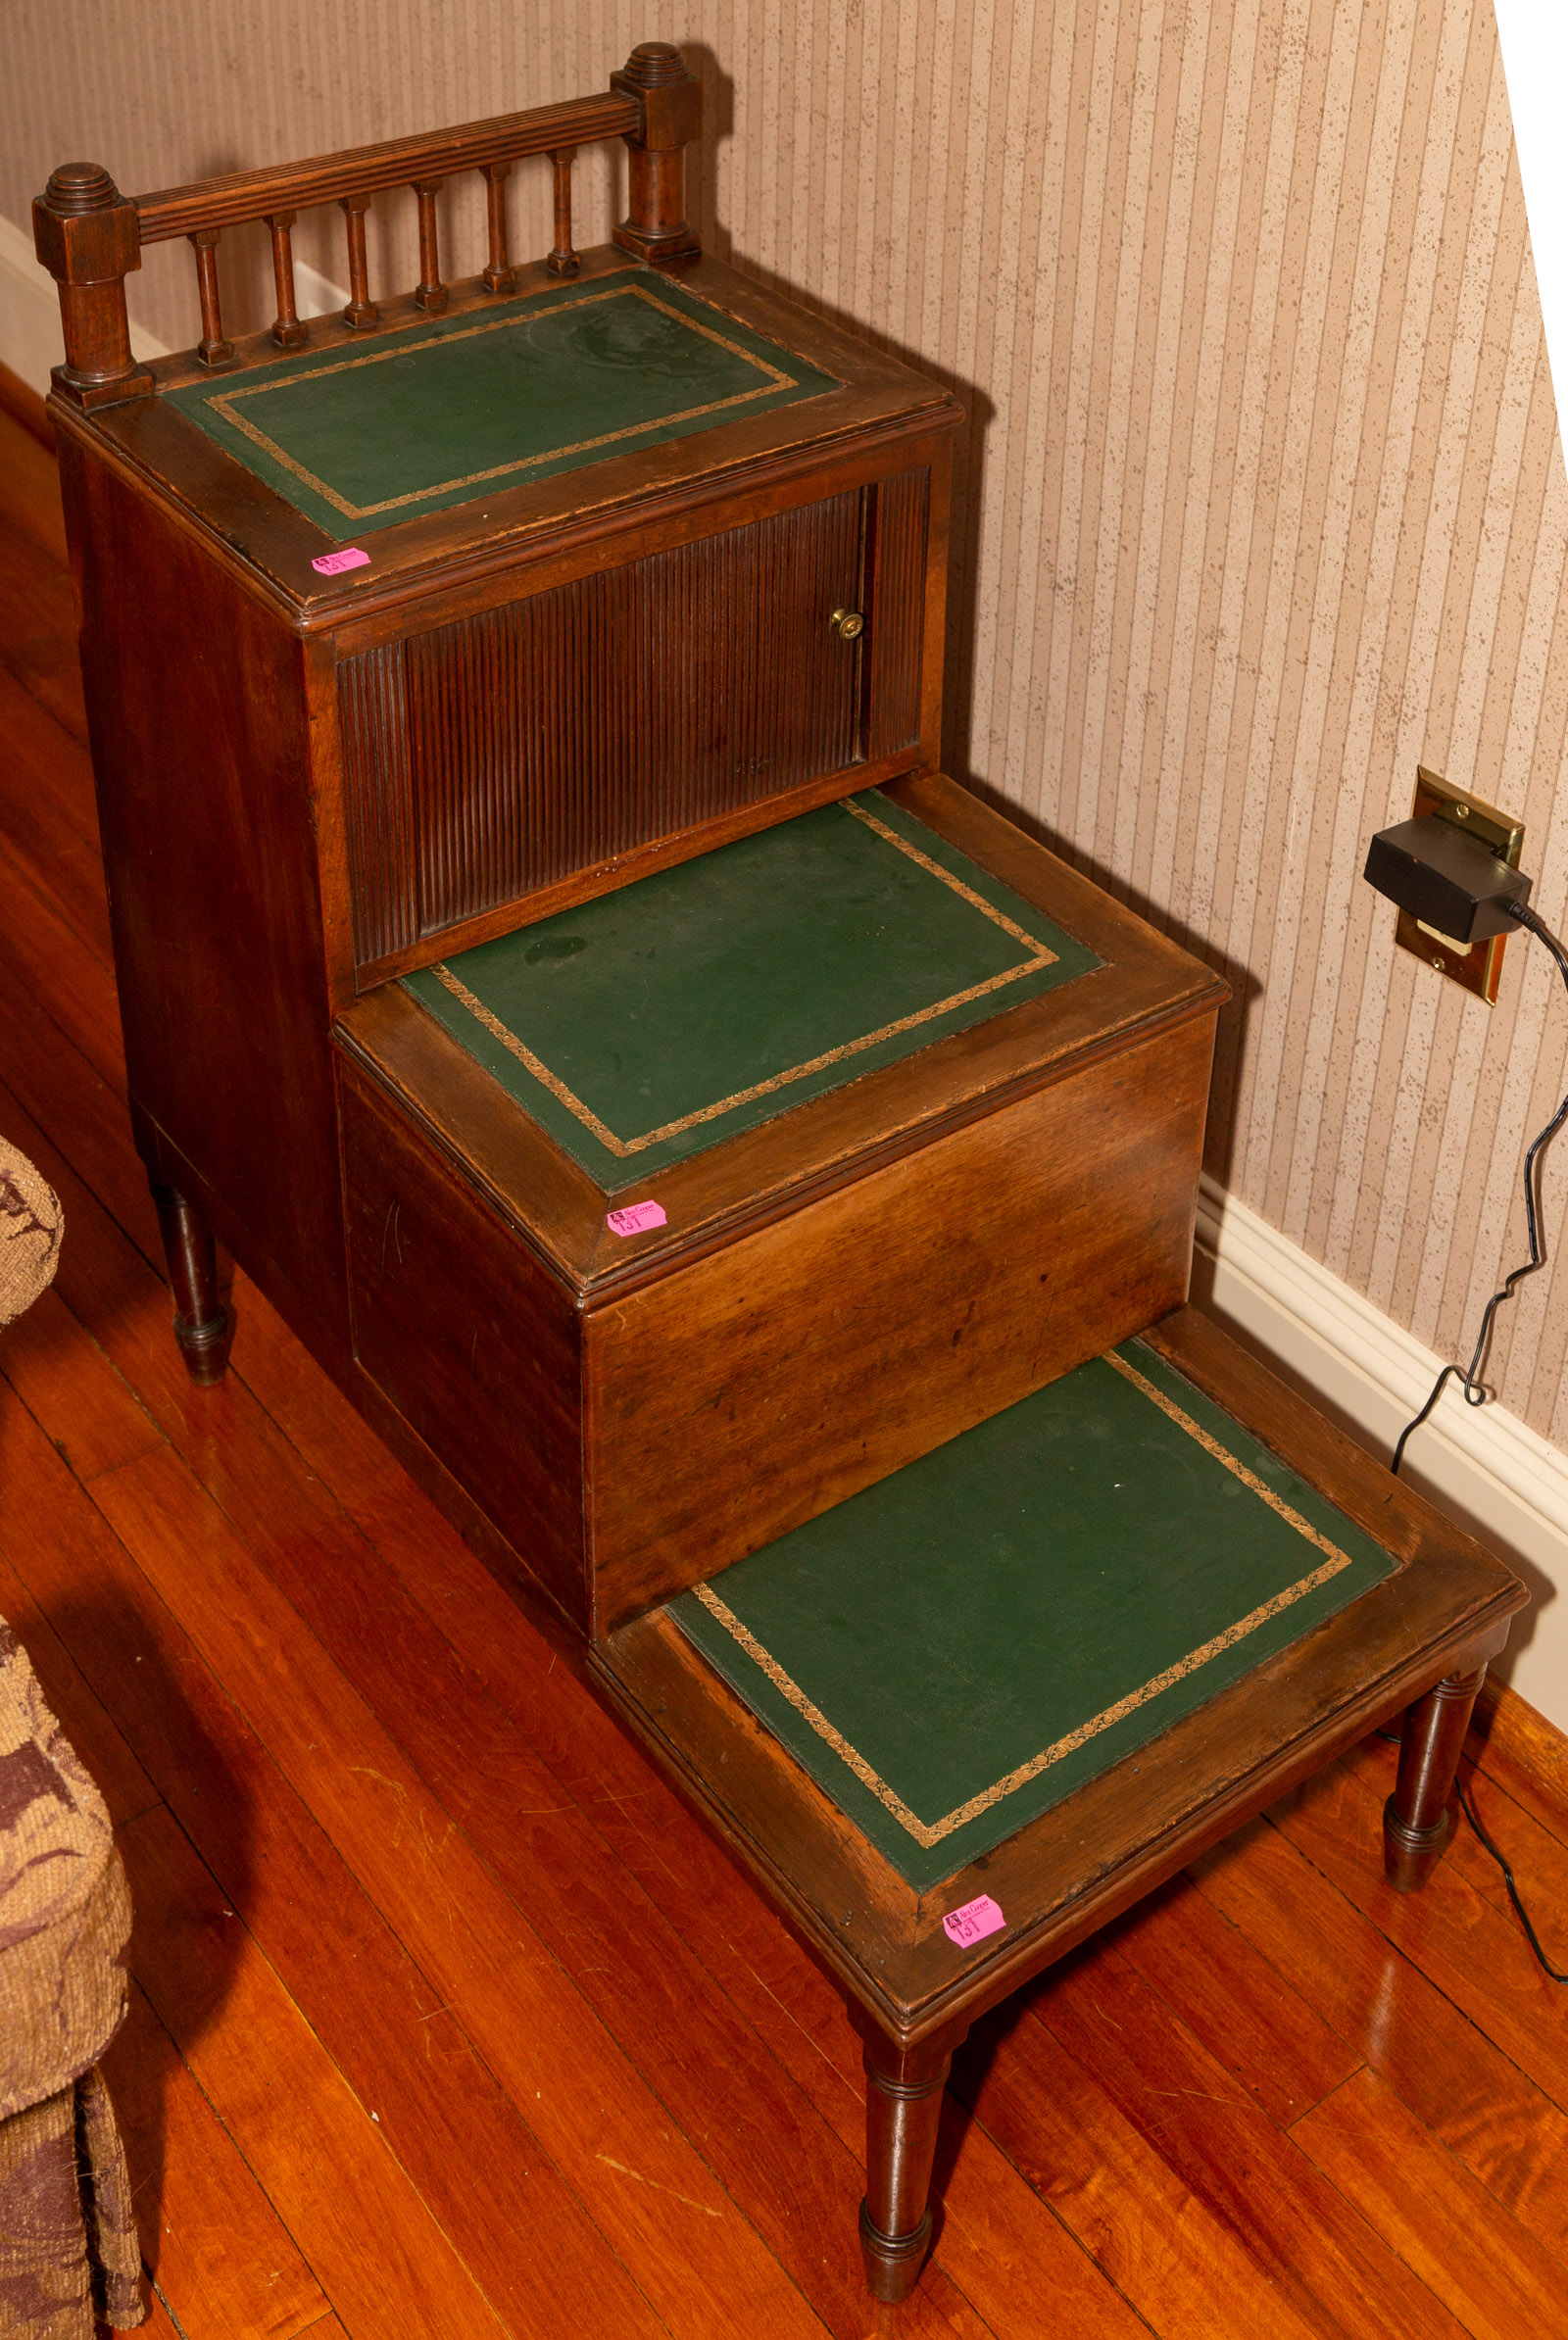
x,y
655,63
76,188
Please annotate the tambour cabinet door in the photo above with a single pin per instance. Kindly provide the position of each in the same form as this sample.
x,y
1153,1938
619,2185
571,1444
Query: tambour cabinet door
x,y
493,756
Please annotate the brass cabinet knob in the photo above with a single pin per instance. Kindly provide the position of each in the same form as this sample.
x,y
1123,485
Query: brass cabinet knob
x,y
848,624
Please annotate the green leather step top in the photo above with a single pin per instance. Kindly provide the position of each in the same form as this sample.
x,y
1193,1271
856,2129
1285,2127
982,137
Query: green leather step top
x,y
650,1023
443,413
955,1649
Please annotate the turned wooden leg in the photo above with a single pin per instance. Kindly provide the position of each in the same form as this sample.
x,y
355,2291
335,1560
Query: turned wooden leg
x,y
201,1322
902,2109
1416,1819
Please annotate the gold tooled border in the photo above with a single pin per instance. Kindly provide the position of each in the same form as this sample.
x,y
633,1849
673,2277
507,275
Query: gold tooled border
x,y
224,405
1041,956
927,1833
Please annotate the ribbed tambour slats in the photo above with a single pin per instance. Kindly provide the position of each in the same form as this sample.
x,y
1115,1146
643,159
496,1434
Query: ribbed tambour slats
x,y
379,806
515,747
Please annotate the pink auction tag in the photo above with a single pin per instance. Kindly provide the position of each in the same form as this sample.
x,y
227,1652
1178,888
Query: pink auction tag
x,y
973,1922
332,564
635,1218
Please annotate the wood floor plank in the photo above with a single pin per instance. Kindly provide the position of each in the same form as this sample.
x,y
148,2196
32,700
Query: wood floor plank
x,y
38,630
376,2012
1297,2228
57,767
105,1754
1178,2264
74,1113
1492,2272
1538,1857
93,1416
364,2230
1473,1950
1478,2102
160,2325
1232,2000
1008,2253
209,2238
29,491
646,2187
49,818
1526,1755
67,983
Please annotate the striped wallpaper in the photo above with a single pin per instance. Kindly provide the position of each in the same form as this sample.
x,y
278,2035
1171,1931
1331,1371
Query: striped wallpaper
x,y
1261,500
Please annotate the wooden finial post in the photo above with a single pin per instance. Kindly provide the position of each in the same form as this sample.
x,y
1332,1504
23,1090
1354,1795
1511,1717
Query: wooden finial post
x,y
672,102
88,235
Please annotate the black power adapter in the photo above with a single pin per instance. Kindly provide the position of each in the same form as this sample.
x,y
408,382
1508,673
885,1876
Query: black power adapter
x,y
1462,892
1455,887
1449,882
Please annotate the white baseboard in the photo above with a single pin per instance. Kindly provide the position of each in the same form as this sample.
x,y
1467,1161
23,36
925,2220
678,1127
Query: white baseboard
x,y
1485,1468
29,309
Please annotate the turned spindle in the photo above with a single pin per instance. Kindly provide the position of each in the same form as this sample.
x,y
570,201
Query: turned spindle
x,y
361,311
500,277
211,349
288,331
563,260
430,293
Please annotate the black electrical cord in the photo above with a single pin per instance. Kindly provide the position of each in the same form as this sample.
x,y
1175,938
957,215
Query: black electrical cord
x,y
1467,1807
1522,1913
1474,1392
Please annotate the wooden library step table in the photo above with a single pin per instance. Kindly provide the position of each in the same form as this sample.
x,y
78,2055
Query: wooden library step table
x,y
515,704
956,1724
678,1217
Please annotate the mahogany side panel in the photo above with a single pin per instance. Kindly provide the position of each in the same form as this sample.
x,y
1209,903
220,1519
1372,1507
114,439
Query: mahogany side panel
x,y
199,713
773,1379
467,1333
897,552
493,756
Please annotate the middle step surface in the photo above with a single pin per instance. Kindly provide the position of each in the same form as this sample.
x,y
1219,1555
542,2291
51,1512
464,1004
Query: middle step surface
x,y
681,1216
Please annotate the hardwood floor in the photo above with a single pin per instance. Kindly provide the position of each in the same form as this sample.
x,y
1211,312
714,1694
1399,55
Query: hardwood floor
x,y
448,2020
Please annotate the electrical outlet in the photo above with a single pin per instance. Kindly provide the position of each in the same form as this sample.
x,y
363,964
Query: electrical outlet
x,y
1480,969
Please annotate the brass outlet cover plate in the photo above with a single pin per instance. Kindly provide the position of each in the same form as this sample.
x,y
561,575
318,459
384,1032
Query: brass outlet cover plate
x,y
1478,969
